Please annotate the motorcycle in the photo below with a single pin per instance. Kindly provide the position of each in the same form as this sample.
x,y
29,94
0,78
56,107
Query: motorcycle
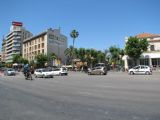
x,y
28,75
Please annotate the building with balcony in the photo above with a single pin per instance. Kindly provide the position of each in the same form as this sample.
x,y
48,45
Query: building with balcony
x,y
47,42
151,57
12,43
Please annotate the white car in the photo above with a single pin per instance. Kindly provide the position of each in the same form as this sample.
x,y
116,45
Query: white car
x,y
60,71
43,73
140,69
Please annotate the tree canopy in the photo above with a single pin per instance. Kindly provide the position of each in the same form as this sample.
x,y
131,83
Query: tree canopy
x,y
41,60
135,47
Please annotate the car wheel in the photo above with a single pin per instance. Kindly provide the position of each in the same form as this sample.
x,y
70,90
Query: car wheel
x,y
131,73
147,73
101,73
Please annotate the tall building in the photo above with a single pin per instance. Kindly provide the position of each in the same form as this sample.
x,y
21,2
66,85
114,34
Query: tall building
x,y
12,43
151,57
50,41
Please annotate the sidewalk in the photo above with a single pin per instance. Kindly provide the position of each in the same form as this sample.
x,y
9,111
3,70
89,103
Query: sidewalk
x,y
1,74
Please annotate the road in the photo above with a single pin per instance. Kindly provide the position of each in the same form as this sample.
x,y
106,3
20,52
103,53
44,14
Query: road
x,y
116,96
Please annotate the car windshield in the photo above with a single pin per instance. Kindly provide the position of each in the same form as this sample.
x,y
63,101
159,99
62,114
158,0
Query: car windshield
x,y
64,69
57,69
10,70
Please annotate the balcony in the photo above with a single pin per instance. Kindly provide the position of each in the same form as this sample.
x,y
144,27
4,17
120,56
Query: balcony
x,y
16,48
16,45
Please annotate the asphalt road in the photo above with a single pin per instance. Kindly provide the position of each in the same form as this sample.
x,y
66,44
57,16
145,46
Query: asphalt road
x,y
116,96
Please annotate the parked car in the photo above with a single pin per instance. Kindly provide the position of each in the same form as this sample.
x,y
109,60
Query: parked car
x,y
140,69
9,71
97,71
43,73
2,69
60,71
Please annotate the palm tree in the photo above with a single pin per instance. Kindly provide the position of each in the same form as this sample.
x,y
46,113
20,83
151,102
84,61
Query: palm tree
x,y
115,55
52,57
74,34
69,53
100,56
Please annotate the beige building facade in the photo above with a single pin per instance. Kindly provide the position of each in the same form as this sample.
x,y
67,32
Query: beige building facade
x,y
50,41
151,57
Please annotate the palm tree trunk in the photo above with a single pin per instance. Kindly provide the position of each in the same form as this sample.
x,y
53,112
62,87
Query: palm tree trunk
x,y
73,54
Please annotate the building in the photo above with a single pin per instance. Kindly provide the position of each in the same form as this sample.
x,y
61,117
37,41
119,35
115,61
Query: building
x,y
12,43
47,42
152,56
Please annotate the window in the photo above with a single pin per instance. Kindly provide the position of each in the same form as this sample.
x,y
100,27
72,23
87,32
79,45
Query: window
x,y
152,48
42,50
43,38
42,45
35,47
38,46
144,61
156,62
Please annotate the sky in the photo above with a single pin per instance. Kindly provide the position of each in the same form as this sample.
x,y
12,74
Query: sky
x,y
100,23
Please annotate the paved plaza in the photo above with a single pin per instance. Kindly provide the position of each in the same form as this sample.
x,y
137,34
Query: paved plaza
x,y
78,96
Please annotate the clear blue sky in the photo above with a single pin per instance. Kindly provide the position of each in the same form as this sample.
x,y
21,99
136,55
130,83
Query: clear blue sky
x,y
101,23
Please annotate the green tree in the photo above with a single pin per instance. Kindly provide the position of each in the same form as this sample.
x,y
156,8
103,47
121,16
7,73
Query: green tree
x,y
16,58
90,57
115,54
82,53
100,57
135,47
41,60
69,53
52,57
74,34
23,60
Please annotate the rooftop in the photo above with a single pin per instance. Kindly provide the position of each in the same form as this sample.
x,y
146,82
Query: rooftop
x,y
147,35
34,37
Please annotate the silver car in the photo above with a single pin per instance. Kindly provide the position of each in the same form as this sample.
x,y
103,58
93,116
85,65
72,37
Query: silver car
x,y
9,71
97,71
60,71
140,69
